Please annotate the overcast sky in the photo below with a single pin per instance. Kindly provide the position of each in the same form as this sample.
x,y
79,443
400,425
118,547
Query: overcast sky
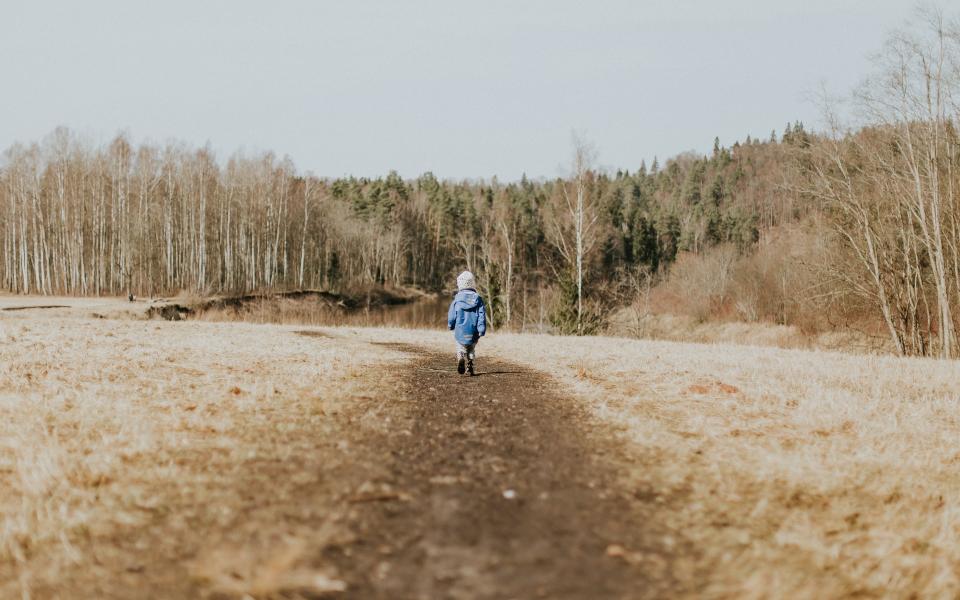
x,y
463,89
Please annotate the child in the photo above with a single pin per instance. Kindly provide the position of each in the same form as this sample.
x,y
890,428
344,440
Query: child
x,y
467,319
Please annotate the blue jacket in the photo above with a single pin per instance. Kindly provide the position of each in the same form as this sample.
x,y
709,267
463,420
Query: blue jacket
x,y
467,317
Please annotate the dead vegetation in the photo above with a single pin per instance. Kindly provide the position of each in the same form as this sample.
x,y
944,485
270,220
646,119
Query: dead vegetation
x,y
374,306
793,473
796,474
168,456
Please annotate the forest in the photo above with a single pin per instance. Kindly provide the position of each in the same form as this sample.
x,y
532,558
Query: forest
x,y
853,226
80,219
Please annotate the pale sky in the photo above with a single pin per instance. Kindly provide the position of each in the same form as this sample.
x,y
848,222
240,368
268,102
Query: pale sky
x,y
463,89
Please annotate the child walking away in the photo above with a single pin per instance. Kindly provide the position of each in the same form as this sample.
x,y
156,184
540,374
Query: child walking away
x,y
467,319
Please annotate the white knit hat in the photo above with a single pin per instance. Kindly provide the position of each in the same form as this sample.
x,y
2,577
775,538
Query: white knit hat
x,y
465,280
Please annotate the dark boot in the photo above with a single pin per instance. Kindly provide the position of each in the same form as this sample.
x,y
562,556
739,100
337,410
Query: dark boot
x,y
460,368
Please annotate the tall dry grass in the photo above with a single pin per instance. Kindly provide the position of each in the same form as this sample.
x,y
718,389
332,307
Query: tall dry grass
x,y
637,322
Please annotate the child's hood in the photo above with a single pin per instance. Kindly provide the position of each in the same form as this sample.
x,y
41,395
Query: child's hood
x,y
467,298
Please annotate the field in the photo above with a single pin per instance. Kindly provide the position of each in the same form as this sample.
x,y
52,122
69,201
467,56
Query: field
x,y
177,459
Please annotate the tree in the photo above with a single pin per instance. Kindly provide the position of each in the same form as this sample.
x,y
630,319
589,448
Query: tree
x,y
79,218
574,227
893,188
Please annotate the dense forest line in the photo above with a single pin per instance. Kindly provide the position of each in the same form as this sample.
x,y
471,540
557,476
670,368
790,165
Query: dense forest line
x,y
856,227
149,220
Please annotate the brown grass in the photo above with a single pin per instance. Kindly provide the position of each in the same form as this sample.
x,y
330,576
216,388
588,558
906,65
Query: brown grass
x,y
637,322
794,473
112,427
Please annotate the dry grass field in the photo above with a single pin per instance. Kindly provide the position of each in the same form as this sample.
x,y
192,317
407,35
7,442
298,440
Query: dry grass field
x,y
129,446
793,473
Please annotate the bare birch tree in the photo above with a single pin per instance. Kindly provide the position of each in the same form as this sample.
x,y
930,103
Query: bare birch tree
x,y
572,228
894,184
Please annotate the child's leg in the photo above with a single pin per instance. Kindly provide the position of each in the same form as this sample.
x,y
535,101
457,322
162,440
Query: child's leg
x,y
471,354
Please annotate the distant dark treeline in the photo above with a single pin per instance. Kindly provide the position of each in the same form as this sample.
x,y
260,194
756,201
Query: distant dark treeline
x,y
151,220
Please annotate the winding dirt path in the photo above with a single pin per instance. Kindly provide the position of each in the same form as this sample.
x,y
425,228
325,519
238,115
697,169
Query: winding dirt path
x,y
497,488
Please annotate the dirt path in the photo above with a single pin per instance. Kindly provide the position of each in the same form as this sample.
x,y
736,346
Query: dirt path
x,y
408,481
496,489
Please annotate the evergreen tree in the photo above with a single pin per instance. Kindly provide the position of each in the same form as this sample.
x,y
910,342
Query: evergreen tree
x,y
787,133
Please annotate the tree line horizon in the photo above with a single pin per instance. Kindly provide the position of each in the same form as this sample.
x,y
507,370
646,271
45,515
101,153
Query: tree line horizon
x,y
853,227
156,220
